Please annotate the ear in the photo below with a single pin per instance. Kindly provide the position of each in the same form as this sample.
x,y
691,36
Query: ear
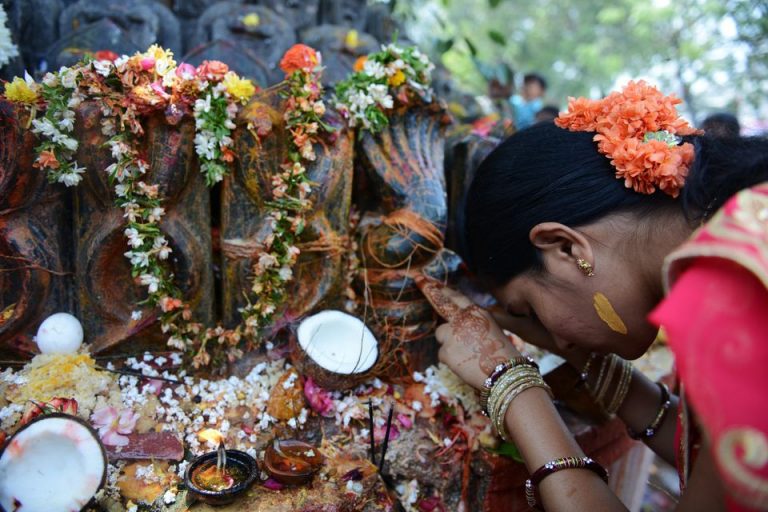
x,y
561,245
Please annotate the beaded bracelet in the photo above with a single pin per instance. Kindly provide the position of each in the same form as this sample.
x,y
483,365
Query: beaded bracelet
x,y
497,372
652,429
531,485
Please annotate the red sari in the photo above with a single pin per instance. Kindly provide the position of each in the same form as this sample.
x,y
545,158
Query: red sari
x,y
716,321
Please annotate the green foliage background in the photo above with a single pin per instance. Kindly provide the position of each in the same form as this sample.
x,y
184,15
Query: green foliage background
x,y
712,53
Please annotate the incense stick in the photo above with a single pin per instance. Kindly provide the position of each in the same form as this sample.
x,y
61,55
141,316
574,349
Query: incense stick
x,y
386,439
136,373
370,425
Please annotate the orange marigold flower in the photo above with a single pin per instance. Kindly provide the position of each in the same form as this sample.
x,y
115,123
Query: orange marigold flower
x,y
637,129
47,159
299,57
359,63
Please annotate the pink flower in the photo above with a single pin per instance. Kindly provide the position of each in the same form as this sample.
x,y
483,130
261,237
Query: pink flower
x,y
405,421
160,90
319,399
111,424
186,71
147,63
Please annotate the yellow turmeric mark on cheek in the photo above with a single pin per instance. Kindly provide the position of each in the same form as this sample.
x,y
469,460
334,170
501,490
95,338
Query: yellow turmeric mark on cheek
x,y
607,314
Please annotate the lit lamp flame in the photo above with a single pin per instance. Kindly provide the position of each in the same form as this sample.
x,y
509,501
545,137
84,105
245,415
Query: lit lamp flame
x,y
214,437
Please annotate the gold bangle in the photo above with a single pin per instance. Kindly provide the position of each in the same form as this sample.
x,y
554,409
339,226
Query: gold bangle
x,y
621,391
605,386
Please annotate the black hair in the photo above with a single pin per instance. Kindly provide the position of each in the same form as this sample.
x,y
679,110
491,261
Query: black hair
x,y
535,77
547,113
721,124
548,174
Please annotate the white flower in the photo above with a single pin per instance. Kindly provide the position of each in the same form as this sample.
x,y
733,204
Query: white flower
x,y
50,79
156,214
68,77
102,67
75,100
150,281
135,315
118,148
285,273
380,94
266,261
203,105
374,68
135,239
121,189
73,177
121,60
138,259
205,144
160,244
67,121
44,127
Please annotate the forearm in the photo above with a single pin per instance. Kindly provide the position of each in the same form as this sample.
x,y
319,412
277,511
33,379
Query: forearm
x,y
640,408
541,436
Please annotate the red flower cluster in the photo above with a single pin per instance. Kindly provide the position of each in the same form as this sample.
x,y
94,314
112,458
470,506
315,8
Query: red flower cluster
x,y
636,128
299,57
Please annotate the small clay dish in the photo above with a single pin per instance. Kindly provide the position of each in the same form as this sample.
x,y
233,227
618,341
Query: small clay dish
x,y
243,468
292,462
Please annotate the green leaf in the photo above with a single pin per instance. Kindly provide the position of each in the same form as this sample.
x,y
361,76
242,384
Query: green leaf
x,y
444,45
471,46
497,37
494,3
508,450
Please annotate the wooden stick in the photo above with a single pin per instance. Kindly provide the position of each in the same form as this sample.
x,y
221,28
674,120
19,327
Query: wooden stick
x,y
386,439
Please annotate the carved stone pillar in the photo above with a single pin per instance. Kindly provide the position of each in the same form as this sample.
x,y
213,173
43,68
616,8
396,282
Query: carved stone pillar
x,y
35,251
106,292
318,275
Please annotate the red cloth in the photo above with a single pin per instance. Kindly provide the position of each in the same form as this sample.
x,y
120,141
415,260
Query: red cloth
x,y
716,322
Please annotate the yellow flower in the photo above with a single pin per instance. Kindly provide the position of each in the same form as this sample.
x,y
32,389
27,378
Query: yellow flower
x,y
352,40
21,91
163,59
251,20
239,88
397,79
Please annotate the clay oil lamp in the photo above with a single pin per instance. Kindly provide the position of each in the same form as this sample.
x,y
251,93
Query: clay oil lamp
x,y
292,462
221,476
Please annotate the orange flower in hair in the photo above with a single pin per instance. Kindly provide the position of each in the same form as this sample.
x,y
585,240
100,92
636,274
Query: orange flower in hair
x,y
638,129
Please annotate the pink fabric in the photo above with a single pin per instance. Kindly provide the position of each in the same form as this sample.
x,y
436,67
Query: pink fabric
x,y
716,321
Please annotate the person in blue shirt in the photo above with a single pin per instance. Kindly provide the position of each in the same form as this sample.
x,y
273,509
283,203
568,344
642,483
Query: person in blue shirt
x,y
530,100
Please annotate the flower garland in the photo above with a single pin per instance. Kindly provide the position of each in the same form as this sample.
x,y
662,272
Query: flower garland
x,y
638,129
394,73
291,188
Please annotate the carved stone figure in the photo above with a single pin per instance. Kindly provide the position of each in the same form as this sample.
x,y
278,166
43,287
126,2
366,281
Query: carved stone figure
x,y
35,240
402,192
32,32
346,13
255,29
300,14
145,22
105,291
340,49
318,280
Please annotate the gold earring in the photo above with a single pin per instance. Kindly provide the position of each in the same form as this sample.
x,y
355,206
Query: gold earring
x,y
585,267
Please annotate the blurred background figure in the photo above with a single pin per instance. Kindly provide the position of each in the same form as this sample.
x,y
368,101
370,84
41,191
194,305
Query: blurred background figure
x,y
501,86
547,114
721,125
530,100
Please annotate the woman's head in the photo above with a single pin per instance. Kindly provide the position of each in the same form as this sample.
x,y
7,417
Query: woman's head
x,y
546,198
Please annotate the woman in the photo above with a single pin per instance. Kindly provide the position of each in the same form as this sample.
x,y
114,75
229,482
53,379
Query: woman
x,y
576,257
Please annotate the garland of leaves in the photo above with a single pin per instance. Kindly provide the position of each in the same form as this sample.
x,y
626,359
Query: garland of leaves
x,y
381,79
128,88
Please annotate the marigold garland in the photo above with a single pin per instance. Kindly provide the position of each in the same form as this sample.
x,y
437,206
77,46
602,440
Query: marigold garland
x,y
128,88
638,129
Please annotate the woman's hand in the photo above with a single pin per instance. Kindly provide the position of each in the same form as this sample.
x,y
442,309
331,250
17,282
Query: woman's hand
x,y
472,343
